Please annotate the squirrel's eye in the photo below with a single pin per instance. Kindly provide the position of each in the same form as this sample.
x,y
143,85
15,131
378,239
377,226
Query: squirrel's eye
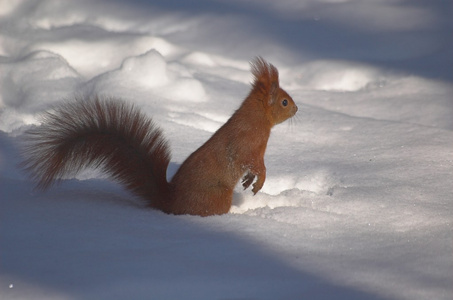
x,y
285,102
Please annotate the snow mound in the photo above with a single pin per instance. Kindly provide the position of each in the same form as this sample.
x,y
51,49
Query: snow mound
x,y
30,83
150,72
104,52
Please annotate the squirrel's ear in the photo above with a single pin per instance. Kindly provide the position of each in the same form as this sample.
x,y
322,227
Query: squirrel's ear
x,y
266,77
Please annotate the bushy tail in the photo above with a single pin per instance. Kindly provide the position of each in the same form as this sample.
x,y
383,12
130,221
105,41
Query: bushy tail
x,y
102,133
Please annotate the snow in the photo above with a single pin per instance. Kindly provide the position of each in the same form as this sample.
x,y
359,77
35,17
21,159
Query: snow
x,y
357,203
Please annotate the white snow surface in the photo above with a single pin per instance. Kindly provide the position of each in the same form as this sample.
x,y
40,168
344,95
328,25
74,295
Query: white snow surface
x,y
357,203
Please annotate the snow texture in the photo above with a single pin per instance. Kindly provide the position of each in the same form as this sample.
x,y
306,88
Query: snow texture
x,y
358,199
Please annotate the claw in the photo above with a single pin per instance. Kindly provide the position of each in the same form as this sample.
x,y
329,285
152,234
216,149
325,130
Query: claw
x,y
256,187
247,180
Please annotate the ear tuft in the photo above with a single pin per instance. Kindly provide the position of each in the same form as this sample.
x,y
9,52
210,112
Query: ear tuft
x,y
266,76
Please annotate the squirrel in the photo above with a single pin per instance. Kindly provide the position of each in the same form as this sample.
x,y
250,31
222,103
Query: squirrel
x,y
124,143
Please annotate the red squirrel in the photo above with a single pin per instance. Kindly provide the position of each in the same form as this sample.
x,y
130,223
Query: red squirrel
x,y
125,144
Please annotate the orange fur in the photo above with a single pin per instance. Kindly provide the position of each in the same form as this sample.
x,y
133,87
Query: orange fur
x,y
127,145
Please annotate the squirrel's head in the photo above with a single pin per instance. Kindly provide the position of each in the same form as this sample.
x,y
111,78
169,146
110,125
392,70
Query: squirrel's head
x,y
279,106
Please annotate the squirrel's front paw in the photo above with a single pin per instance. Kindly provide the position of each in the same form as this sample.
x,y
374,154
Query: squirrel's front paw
x,y
257,186
247,180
